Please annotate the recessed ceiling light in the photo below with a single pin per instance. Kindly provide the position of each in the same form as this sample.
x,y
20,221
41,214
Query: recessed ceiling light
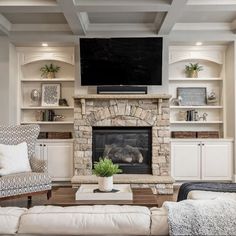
x,y
198,43
44,44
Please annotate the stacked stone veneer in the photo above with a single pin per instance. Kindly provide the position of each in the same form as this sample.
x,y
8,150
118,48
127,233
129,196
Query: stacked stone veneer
x,y
108,111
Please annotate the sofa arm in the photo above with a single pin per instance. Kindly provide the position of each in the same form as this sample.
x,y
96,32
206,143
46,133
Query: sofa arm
x,y
9,219
38,165
159,224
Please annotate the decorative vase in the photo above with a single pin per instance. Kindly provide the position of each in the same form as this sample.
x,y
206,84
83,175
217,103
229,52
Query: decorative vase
x,y
50,75
193,74
105,184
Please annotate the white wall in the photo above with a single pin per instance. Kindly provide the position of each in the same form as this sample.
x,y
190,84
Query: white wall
x,y
4,81
13,85
8,83
230,89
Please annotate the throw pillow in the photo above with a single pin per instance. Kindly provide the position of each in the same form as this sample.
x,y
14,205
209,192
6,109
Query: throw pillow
x,y
14,159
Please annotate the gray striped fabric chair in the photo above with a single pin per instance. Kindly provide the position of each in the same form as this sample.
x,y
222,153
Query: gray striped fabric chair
x,y
28,183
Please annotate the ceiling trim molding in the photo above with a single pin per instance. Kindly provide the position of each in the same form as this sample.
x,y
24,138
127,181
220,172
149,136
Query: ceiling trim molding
x,y
158,20
5,25
30,9
121,27
177,8
75,22
122,6
20,38
211,2
201,26
27,6
211,5
41,27
194,36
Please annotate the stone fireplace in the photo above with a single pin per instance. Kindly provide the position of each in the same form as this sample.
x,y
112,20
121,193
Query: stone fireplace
x,y
134,129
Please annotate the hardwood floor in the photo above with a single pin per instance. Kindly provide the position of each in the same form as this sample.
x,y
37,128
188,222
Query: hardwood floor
x,y
66,193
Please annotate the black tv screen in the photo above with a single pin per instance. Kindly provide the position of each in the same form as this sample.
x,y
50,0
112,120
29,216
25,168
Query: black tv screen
x,y
121,61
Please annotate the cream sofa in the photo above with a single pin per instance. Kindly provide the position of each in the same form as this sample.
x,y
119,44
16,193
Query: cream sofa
x,y
83,220
188,217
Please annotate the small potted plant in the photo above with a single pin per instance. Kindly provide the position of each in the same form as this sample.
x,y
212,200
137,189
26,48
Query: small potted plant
x,y
105,169
192,70
49,71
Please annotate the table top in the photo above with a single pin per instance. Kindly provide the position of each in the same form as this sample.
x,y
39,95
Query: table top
x,y
66,197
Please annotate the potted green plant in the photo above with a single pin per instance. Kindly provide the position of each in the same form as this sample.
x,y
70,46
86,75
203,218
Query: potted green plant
x,y
49,71
105,169
192,70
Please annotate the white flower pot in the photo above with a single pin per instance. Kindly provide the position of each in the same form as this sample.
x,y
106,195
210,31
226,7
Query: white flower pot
x,y
105,184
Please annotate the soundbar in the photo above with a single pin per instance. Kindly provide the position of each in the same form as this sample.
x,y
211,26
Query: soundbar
x,y
122,89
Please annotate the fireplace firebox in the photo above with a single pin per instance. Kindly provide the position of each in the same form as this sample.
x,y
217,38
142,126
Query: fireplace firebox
x,y
130,147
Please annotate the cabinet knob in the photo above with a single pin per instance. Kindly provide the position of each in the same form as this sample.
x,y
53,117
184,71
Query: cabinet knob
x,y
203,144
199,144
44,145
40,145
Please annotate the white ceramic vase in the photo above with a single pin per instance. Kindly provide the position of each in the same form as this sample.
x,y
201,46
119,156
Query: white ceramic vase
x,y
105,184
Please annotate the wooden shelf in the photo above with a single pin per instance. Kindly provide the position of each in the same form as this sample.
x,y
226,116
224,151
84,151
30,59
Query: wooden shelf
x,y
195,79
196,107
197,122
48,122
48,108
48,80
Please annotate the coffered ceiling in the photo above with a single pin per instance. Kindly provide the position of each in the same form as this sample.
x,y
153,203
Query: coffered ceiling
x,y
66,19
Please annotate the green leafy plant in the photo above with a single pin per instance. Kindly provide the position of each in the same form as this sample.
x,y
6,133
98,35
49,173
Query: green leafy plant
x,y
192,70
193,67
105,168
49,69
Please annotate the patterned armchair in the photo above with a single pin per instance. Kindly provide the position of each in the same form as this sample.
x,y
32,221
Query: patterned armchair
x,y
28,183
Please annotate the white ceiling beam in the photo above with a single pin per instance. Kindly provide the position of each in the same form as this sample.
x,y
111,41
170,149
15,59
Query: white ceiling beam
x,y
121,27
27,6
75,20
211,6
5,25
194,36
233,26
213,2
122,6
30,38
172,16
158,20
201,26
40,27
30,9
27,2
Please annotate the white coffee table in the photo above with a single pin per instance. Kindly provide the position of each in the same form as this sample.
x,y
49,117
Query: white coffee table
x,y
85,192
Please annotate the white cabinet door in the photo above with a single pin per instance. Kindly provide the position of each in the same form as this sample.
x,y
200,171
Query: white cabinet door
x,y
39,151
216,161
60,160
185,160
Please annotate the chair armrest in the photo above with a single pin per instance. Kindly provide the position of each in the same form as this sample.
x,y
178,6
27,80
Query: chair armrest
x,y
38,165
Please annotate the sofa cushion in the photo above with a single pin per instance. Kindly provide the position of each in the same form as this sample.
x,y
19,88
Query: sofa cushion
x,y
208,195
82,220
14,159
9,219
159,224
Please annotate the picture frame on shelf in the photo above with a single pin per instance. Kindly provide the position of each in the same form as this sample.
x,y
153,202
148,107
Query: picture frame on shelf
x,y
192,96
50,95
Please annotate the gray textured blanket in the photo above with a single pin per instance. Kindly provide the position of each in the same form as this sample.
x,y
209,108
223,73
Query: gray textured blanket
x,y
202,217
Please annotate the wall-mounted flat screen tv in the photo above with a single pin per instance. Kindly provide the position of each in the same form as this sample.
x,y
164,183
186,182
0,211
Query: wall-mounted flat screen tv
x,y
121,61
